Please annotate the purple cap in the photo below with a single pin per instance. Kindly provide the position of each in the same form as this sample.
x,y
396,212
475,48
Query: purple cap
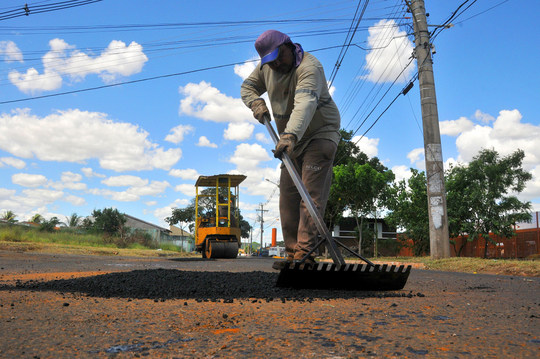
x,y
268,44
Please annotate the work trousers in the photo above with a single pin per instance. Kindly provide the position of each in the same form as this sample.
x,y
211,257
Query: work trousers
x,y
315,167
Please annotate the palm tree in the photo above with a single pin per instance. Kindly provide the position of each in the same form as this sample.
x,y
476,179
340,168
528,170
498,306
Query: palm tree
x,y
9,216
36,218
74,220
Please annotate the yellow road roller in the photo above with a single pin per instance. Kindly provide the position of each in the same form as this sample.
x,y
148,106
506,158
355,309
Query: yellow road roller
x,y
217,217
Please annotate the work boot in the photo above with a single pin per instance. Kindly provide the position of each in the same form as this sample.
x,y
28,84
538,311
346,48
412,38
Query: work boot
x,y
298,256
283,263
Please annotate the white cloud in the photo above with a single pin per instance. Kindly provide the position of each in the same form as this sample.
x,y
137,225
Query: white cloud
x,y
483,117
78,136
455,127
121,196
187,174
246,68
401,172
150,203
152,189
261,137
391,50
208,103
76,201
125,181
71,177
89,172
205,142
28,180
416,155
506,135
6,193
13,162
63,59
10,51
367,145
177,134
187,189
238,131
248,156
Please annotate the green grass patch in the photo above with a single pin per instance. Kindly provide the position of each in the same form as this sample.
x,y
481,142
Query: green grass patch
x,y
522,267
76,241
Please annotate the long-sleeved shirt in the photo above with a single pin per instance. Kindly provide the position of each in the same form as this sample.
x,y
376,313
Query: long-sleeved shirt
x,y
300,100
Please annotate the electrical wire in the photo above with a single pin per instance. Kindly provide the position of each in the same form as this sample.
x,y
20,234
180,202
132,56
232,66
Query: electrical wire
x,y
27,10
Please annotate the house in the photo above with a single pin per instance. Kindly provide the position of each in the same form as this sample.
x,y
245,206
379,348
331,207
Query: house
x,y
157,233
182,238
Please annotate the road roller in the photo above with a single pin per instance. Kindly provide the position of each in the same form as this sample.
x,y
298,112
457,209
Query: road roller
x,y
217,215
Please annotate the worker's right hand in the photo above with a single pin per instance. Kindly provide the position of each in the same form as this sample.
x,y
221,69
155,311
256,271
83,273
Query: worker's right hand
x,y
259,109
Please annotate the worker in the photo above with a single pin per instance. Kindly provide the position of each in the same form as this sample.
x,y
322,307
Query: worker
x,y
308,124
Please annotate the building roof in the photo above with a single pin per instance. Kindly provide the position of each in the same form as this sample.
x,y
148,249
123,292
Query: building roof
x,y
146,223
210,181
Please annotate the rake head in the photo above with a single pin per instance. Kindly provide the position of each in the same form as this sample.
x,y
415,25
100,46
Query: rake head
x,y
345,277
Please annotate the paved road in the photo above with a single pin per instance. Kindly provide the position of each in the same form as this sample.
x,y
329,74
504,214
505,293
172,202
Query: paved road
x,y
65,306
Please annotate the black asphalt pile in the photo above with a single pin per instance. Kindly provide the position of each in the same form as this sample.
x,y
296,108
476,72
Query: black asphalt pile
x,y
162,284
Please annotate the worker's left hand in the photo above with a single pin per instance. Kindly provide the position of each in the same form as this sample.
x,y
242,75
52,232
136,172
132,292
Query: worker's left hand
x,y
286,144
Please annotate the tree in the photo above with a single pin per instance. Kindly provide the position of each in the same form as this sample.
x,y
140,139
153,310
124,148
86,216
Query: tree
x,y
407,202
481,196
9,216
183,216
360,187
36,218
49,225
74,220
347,153
108,221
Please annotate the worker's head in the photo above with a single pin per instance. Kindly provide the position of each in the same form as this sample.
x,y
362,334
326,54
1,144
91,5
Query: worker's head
x,y
277,50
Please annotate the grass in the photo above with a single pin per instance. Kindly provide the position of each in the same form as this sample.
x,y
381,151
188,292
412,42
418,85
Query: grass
x,y
70,242
521,267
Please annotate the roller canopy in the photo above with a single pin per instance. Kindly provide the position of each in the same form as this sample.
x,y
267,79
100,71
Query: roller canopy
x,y
210,181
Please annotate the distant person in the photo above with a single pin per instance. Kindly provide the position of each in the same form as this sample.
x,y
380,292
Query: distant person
x,y
308,124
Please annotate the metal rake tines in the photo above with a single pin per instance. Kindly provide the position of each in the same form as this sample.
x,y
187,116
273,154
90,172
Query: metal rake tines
x,y
347,277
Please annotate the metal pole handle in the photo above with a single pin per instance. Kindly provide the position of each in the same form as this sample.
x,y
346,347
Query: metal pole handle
x,y
310,205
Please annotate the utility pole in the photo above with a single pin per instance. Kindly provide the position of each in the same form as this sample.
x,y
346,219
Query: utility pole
x,y
262,210
438,219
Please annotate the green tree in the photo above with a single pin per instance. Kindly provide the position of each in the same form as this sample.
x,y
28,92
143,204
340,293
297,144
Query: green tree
x,y
407,202
74,220
49,225
9,216
182,216
108,221
360,187
36,218
481,199
347,153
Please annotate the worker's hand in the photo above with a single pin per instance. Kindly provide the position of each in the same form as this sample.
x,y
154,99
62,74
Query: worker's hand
x,y
286,144
259,109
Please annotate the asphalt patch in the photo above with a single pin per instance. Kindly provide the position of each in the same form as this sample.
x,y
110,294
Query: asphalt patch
x,y
163,284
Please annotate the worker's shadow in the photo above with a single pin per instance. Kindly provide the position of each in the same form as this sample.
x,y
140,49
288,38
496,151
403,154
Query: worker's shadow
x,y
162,284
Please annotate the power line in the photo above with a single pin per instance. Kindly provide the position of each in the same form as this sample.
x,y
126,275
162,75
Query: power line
x,y
344,50
27,10
125,83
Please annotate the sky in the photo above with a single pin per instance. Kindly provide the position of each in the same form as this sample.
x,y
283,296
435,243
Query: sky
x,y
124,104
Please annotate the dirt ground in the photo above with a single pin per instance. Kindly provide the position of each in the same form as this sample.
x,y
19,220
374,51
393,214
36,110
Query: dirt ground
x,y
68,306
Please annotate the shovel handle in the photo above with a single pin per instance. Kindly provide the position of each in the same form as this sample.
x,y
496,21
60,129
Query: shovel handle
x,y
310,205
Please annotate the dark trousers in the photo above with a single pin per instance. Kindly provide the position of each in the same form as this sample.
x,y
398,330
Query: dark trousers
x,y
315,166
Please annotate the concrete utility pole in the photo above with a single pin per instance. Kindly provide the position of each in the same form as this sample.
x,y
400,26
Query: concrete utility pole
x,y
438,220
262,222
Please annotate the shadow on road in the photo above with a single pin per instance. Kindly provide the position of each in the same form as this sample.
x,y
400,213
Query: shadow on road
x,y
177,284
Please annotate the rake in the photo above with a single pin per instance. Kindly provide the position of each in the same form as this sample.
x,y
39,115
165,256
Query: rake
x,y
339,274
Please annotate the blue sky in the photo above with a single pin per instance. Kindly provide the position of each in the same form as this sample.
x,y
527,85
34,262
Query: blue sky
x,y
146,97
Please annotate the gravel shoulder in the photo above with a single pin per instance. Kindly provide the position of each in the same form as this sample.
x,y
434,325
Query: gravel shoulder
x,y
78,306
